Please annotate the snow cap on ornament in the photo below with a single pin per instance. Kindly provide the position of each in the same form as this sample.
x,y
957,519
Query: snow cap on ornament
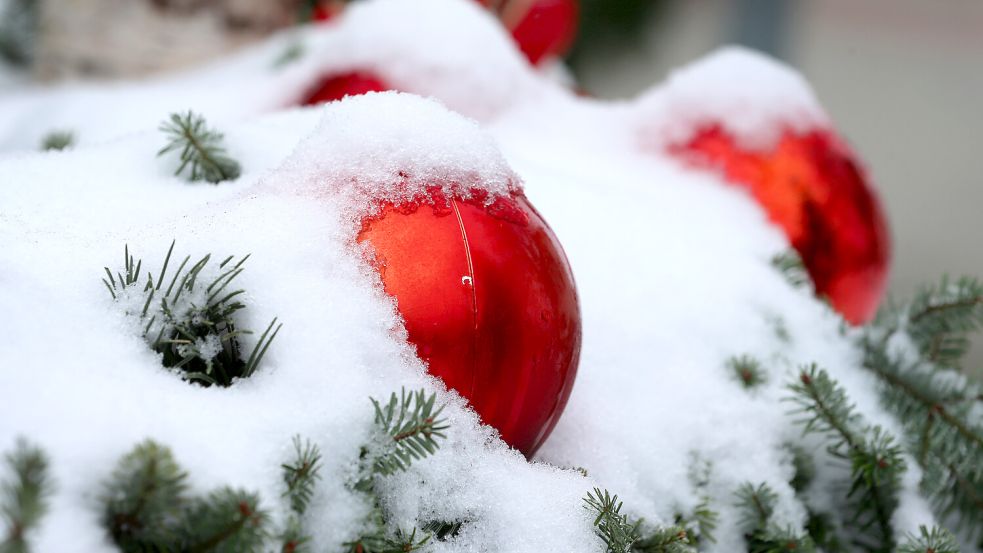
x,y
452,50
758,124
481,282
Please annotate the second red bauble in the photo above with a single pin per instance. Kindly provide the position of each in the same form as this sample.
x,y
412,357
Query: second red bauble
x,y
489,301
811,185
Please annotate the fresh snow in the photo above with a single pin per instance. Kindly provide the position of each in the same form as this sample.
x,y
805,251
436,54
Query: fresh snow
x,y
672,268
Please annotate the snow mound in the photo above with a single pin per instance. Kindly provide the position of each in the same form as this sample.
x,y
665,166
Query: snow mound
x,y
449,49
753,96
395,147
672,266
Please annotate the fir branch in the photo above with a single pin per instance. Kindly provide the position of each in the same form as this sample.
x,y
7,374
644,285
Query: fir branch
x,y
936,540
623,535
790,265
227,521
938,407
875,459
191,322
200,148
302,474
940,318
144,498
293,539
757,505
413,426
617,531
442,530
24,496
701,523
747,370
57,140
398,543
672,539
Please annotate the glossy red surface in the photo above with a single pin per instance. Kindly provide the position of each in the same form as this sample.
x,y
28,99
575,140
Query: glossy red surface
x,y
336,87
489,301
811,186
547,29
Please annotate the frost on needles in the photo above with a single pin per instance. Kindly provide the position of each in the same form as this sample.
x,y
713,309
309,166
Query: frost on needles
x,y
190,317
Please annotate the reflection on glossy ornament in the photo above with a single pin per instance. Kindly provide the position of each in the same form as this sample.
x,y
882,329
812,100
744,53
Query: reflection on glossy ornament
x,y
489,301
811,186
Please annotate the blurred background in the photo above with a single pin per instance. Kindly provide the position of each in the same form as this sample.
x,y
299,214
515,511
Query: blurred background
x,y
903,79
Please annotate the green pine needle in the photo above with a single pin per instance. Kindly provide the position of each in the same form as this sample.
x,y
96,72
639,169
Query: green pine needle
x,y
876,460
201,149
191,321
747,370
227,521
144,498
302,474
57,140
936,540
413,425
938,407
790,265
24,496
615,528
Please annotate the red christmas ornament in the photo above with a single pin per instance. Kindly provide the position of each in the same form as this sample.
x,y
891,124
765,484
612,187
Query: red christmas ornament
x,y
325,10
811,186
346,84
489,301
541,28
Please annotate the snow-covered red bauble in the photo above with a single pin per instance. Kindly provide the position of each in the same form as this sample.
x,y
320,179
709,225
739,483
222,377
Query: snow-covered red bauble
x,y
542,29
338,86
489,301
811,185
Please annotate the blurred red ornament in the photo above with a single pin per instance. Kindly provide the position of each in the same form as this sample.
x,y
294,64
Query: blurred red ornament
x,y
489,301
326,10
542,29
337,87
812,187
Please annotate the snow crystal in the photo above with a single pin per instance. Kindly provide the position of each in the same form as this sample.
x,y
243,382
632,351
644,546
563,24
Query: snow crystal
x,y
751,95
672,267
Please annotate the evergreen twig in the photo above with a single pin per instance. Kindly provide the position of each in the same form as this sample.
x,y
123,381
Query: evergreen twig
x,y
57,140
191,321
790,265
24,496
876,461
936,540
747,370
623,535
227,521
937,406
413,425
144,499
200,148
762,534
302,474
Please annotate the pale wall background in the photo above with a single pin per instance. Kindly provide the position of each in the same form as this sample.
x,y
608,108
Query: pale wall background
x,y
903,79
